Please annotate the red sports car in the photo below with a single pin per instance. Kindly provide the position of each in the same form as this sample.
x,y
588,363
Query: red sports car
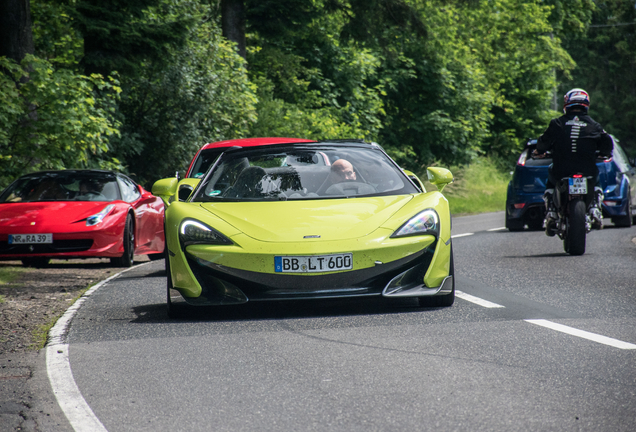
x,y
209,152
79,214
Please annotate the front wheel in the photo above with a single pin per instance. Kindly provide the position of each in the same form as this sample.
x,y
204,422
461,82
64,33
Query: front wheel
x,y
127,258
574,241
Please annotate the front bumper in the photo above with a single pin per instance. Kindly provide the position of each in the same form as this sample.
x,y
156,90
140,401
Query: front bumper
x,y
422,272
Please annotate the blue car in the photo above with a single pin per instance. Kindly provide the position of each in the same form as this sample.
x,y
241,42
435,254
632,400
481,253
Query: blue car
x,y
524,201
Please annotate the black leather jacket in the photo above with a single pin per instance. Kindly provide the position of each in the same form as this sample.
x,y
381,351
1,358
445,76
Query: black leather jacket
x,y
574,139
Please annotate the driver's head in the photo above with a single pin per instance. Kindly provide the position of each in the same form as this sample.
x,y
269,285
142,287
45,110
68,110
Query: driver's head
x,y
343,169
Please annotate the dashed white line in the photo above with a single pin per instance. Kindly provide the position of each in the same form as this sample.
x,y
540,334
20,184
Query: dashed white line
x,y
476,300
497,229
582,334
462,235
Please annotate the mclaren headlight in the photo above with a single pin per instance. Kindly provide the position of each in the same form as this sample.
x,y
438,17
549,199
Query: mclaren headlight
x,y
99,217
425,222
195,232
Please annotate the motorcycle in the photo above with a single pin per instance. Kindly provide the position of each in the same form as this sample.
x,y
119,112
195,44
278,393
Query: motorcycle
x,y
577,209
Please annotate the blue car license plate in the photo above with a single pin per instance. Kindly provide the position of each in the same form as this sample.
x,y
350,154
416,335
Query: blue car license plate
x,y
313,263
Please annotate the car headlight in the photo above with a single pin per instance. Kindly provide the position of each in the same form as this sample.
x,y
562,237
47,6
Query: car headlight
x,y
195,232
97,218
425,222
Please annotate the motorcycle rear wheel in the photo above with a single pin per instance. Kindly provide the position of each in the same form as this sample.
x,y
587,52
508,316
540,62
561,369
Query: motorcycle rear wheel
x,y
574,241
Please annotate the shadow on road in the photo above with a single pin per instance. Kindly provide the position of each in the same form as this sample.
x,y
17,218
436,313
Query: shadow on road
x,y
277,310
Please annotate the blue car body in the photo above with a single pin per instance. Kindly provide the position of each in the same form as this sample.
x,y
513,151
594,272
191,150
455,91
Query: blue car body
x,y
524,201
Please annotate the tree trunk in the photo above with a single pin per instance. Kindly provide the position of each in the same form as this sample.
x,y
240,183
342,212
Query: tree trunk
x,y
16,38
233,23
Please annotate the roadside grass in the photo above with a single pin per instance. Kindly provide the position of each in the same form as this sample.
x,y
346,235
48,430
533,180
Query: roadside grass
x,y
480,187
8,275
41,333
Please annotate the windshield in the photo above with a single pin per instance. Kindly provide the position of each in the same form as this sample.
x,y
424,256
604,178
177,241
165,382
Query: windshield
x,y
63,186
303,172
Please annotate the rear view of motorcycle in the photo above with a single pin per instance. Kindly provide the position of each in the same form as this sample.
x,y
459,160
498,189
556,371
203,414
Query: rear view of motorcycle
x,y
572,200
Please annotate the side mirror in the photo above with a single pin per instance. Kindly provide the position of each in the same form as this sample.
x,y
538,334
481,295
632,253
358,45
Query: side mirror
x,y
440,177
415,180
165,189
186,187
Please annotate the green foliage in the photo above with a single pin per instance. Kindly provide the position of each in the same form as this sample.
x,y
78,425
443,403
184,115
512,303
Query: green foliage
x,y
321,87
120,35
513,43
478,188
430,80
606,60
53,118
169,110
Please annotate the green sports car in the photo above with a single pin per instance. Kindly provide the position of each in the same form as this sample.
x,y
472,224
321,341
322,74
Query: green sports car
x,y
307,220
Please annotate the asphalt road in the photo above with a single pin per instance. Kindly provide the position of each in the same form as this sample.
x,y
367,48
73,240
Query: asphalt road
x,y
536,341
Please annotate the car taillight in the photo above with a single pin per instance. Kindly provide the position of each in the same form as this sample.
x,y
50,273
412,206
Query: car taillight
x,y
522,158
577,175
520,205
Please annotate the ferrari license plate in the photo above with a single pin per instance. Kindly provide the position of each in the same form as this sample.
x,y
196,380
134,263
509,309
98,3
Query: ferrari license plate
x,y
578,186
313,264
30,238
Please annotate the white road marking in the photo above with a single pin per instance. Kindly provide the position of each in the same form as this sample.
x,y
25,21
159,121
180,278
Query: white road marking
x,y
58,368
68,395
476,300
582,334
462,235
497,229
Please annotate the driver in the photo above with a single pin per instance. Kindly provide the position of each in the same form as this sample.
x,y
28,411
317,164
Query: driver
x,y
574,140
89,187
343,170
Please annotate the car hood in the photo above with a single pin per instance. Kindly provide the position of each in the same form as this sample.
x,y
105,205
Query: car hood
x,y
285,221
37,215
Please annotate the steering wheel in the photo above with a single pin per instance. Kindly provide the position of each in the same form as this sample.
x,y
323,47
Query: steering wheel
x,y
349,188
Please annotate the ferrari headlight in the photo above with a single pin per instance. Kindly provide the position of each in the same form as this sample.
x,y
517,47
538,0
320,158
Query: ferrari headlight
x,y
425,222
195,232
97,218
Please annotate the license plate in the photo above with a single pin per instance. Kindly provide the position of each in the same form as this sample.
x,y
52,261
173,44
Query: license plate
x,y
313,264
30,238
578,186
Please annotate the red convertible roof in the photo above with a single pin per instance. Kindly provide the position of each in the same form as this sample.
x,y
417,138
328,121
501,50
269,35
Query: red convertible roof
x,y
251,142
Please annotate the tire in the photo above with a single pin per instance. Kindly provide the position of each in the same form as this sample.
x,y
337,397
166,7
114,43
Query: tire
x,y
625,221
444,300
35,262
127,258
574,241
514,225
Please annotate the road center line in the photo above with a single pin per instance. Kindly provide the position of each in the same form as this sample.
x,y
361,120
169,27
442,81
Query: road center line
x,y
462,235
476,300
582,334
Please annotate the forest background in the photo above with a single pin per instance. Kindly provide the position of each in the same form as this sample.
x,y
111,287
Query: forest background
x,y
140,85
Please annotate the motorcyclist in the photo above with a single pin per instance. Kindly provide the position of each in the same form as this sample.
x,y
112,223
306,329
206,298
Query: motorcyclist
x,y
575,141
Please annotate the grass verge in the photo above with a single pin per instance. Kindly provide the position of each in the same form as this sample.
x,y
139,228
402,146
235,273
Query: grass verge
x,y
41,333
478,188
8,275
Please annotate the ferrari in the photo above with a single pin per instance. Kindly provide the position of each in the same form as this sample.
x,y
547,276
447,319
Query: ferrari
x,y
306,220
79,214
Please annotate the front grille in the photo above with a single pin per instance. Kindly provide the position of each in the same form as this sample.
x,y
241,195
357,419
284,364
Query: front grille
x,y
214,278
58,246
